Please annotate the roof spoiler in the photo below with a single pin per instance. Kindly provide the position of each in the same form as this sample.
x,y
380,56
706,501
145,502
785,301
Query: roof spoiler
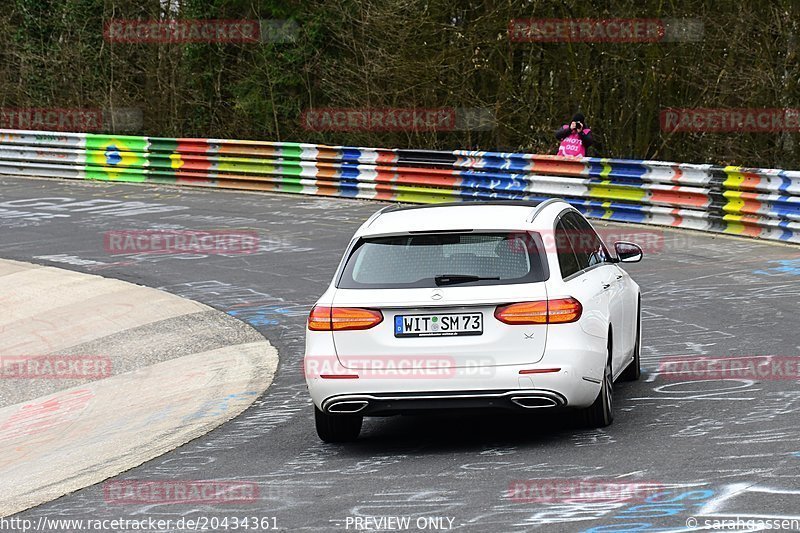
x,y
539,208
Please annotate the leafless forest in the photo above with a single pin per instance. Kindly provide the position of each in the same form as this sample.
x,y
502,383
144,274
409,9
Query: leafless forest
x,y
418,54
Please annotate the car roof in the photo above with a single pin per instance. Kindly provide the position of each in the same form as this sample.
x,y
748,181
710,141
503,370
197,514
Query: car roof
x,y
490,215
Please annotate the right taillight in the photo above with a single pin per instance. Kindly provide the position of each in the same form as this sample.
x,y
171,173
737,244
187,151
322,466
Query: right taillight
x,y
559,311
323,318
563,310
522,313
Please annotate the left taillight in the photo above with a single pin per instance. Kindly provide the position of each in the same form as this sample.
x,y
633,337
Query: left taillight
x,y
323,318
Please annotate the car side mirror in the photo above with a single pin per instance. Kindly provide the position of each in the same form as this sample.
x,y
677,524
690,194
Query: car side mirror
x,y
628,252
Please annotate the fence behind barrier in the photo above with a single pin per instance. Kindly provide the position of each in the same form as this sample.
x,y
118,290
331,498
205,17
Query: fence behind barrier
x,y
761,203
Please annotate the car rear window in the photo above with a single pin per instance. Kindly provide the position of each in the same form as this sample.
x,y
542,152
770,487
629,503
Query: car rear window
x,y
414,261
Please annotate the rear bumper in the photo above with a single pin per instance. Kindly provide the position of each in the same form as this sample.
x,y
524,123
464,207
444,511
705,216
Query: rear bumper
x,y
378,404
499,387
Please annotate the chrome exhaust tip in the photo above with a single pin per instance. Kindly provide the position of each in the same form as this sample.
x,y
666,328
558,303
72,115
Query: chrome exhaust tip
x,y
348,406
534,402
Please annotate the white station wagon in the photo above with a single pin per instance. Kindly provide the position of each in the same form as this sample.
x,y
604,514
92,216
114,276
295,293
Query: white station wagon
x,y
500,305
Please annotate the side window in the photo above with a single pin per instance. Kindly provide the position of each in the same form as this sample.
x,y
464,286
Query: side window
x,y
577,238
587,241
566,257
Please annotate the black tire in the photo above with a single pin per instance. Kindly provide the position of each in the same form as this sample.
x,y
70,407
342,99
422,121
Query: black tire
x,y
634,369
601,412
337,428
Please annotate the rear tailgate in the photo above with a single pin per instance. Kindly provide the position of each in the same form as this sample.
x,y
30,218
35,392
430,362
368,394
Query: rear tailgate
x,y
409,329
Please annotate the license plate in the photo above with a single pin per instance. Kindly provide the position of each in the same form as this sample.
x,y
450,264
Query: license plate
x,y
438,325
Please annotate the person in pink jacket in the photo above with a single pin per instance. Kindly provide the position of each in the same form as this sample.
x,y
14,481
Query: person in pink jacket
x,y
575,137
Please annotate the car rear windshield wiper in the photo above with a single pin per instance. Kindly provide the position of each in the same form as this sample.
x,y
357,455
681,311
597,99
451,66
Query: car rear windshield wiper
x,y
452,279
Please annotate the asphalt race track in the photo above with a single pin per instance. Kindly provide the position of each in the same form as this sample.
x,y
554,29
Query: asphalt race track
x,y
720,449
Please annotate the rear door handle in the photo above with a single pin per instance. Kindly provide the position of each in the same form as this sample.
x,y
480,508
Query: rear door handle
x,y
606,286
619,276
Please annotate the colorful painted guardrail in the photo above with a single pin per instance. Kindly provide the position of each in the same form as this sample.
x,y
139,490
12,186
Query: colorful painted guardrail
x,y
762,203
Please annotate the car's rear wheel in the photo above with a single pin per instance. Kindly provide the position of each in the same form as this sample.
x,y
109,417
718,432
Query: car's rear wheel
x,y
337,428
601,413
634,369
